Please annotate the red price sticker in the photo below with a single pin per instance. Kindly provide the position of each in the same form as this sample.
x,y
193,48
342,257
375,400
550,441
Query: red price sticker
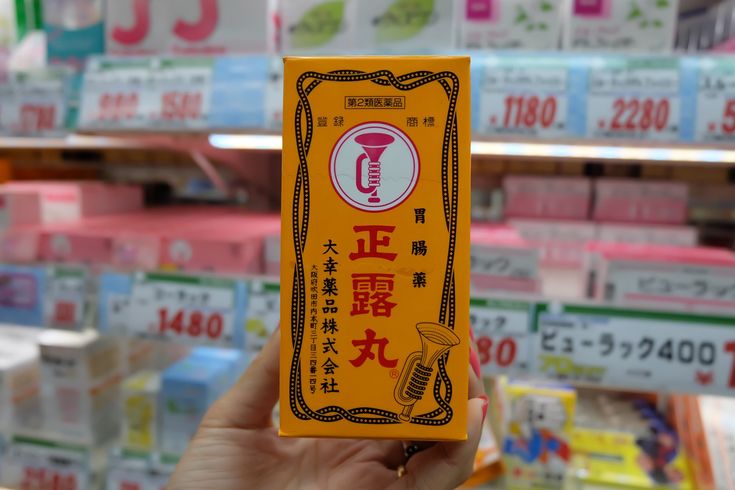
x,y
197,310
194,324
639,99
37,118
181,106
183,87
502,335
48,479
117,106
528,101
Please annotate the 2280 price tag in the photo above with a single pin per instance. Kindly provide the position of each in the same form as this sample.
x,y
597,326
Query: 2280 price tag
x,y
634,99
502,335
636,349
195,310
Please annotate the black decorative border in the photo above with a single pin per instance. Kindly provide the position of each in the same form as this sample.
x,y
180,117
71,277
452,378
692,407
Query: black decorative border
x,y
300,223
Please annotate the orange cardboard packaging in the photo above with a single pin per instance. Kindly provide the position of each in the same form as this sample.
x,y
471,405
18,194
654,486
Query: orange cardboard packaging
x,y
375,247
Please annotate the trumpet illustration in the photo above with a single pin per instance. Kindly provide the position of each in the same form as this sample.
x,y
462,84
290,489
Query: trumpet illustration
x,y
436,339
374,145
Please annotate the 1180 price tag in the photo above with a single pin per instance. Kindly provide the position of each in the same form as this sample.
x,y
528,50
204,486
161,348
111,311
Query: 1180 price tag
x,y
194,310
502,335
524,101
655,351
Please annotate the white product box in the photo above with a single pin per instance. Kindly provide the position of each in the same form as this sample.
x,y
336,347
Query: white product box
x,y
510,24
80,379
398,25
616,25
318,26
20,406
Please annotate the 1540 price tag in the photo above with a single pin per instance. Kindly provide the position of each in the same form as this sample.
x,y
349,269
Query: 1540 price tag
x,y
189,309
635,349
502,333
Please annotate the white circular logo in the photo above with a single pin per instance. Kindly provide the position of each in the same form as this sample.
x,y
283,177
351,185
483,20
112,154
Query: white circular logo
x,y
60,245
180,251
374,167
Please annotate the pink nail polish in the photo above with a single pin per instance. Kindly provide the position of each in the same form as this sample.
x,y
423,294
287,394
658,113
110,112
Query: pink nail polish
x,y
485,403
472,335
475,362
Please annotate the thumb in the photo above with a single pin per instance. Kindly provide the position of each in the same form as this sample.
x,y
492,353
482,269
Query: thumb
x,y
447,465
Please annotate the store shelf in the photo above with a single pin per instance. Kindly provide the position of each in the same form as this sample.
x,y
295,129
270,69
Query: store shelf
x,y
605,151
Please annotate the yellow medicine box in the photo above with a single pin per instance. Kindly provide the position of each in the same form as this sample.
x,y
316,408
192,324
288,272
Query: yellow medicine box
x,y
375,247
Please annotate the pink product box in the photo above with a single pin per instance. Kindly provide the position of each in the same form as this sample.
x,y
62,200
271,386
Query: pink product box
x,y
561,243
20,244
230,244
547,197
679,236
19,208
641,202
501,260
72,245
59,203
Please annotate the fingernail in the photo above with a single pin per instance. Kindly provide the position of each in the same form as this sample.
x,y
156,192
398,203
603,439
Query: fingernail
x,y
475,362
485,403
472,335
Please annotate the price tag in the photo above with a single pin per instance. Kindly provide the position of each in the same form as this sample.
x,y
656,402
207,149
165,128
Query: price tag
x,y
716,101
198,310
33,103
52,466
182,88
502,333
634,98
684,287
528,99
117,94
653,351
66,296
263,313
504,268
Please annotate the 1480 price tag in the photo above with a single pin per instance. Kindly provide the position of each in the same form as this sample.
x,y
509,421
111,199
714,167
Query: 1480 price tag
x,y
189,309
502,335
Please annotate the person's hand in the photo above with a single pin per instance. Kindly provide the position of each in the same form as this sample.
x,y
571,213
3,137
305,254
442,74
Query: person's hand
x,y
237,446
